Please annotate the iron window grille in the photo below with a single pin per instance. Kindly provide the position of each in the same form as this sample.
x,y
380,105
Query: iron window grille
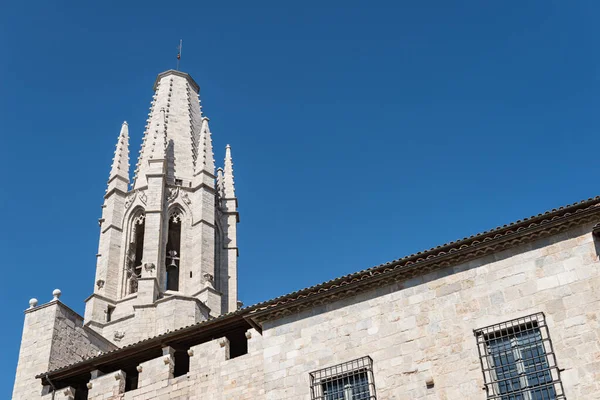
x,y
352,380
518,360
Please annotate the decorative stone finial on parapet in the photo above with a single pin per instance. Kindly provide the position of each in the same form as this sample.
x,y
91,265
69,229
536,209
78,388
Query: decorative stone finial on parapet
x,y
33,303
56,293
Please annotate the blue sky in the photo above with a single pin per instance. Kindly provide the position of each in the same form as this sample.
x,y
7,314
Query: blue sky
x,y
361,131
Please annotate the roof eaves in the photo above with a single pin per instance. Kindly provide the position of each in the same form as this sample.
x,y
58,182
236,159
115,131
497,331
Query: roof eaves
x,y
455,248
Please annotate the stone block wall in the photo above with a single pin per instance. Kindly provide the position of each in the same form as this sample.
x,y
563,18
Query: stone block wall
x,y
212,374
53,336
147,320
415,331
109,385
67,393
423,328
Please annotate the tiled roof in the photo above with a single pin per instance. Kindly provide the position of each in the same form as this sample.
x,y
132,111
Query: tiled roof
x,y
474,246
511,234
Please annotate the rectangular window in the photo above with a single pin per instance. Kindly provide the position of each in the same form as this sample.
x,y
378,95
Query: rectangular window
x,y
518,361
352,380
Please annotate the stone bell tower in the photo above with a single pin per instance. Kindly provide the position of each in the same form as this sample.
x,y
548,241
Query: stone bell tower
x,y
168,254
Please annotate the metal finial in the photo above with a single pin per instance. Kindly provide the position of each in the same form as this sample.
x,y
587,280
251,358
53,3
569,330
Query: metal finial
x,y
179,52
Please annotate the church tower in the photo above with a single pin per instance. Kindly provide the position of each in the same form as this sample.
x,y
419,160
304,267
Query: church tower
x,y
167,255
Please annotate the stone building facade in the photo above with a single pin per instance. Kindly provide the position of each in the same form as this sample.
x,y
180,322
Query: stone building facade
x,y
511,313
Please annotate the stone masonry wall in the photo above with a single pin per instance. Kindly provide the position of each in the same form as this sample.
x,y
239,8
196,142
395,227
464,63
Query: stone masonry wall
x,y
167,314
414,330
212,375
53,336
424,327
72,342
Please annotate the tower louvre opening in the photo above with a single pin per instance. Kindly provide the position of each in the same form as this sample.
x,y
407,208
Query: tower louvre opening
x,y
173,258
136,253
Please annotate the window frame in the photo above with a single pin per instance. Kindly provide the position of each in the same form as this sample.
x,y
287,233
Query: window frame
x,y
338,374
501,350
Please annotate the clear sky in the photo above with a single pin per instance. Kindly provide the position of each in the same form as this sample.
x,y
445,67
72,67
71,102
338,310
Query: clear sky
x,y
361,131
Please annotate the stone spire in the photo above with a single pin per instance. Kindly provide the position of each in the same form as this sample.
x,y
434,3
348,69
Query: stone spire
x,y
228,183
120,164
175,113
207,156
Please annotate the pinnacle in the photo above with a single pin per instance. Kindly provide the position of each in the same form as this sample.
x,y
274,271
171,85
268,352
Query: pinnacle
x,y
120,164
208,159
174,130
228,181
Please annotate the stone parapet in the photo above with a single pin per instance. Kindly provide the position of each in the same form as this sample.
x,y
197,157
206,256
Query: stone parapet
x,y
109,385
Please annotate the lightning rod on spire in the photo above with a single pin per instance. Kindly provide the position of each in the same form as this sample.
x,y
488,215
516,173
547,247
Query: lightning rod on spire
x,y
179,52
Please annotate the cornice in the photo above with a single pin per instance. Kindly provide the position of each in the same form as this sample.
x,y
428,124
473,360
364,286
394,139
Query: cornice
x,y
187,76
115,190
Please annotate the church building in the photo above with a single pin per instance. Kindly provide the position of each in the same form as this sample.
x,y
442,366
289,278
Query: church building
x,y
512,313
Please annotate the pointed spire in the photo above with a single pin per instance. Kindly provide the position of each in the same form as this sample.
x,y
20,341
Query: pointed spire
x,y
228,183
219,188
174,124
120,164
159,150
208,159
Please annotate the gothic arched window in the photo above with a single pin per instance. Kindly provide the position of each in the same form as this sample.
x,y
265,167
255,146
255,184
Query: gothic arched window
x,y
218,254
173,256
135,252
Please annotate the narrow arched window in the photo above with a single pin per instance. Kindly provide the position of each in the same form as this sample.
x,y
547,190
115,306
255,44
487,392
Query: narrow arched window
x,y
218,251
135,252
173,256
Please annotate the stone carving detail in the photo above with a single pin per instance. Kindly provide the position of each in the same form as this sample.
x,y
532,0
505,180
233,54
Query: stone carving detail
x,y
100,283
208,280
130,199
175,215
133,279
138,221
149,267
119,335
69,394
143,197
186,198
172,194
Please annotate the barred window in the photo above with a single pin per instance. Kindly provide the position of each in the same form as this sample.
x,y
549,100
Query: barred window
x,y
518,361
352,380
